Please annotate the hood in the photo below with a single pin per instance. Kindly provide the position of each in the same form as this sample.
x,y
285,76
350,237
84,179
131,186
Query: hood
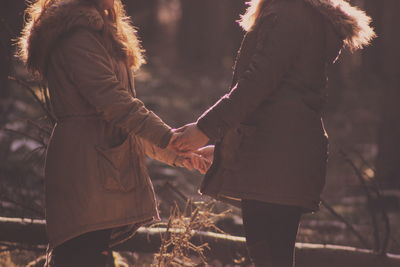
x,y
349,22
60,18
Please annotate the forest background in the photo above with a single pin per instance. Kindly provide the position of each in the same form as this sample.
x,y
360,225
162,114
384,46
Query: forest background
x,y
190,48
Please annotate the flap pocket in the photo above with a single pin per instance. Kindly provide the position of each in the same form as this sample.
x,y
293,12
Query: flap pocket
x,y
119,167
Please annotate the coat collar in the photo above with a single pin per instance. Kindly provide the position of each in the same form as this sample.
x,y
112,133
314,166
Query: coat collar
x,y
57,20
351,23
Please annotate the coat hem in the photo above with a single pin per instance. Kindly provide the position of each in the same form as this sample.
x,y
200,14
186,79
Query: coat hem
x,y
100,226
234,198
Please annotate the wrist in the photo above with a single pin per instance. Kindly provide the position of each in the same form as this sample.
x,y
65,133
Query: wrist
x,y
165,140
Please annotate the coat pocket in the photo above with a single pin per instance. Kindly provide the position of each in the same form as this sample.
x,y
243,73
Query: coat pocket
x,y
235,143
118,167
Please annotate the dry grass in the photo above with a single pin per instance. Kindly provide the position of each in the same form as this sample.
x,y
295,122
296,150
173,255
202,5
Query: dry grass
x,y
176,248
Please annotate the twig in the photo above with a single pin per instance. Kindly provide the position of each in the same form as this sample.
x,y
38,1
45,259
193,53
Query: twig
x,y
39,127
377,243
32,92
23,206
8,249
11,247
382,209
177,191
347,223
24,134
364,161
384,214
177,243
222,246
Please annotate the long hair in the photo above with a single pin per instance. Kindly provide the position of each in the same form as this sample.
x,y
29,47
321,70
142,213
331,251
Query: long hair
x,y
251,15
119,35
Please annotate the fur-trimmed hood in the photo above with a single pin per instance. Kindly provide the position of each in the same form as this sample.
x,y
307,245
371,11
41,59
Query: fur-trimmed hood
x,y
39,38
351,23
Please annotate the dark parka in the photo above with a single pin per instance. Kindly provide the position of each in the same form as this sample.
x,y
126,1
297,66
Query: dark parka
x,y
95,173
271,143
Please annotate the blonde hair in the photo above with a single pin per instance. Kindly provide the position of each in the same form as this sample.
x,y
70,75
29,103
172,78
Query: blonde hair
x,y
120,35
250,17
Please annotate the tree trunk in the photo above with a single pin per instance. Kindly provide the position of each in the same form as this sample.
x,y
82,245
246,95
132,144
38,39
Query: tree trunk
x,y
11,14
144,16
385,57
208,34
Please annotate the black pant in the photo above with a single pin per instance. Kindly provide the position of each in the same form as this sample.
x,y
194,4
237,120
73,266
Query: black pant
x,y
271,231
87,250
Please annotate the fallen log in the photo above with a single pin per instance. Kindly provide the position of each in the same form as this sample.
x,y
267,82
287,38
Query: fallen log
x,y
222,246
22,230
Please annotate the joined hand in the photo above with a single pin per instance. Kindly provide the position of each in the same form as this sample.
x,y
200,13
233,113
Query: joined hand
x,y
188,142
193,161
188,139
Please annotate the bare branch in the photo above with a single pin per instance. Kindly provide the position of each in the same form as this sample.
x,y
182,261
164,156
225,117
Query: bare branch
x,y
25,135
43,106
222,246
372,211
363,242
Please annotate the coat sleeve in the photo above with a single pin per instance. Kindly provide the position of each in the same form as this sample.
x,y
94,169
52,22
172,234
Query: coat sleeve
x,y
90,68
278,40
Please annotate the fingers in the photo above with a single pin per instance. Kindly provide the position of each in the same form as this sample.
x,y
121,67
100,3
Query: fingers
x,y
188,138
188,143
184,162
194,162
182,143
207,152
205,167
175,142
179,139
187,163
200,163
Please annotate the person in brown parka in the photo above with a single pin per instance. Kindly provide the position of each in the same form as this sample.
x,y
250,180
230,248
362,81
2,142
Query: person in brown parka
x,y
271,147
97,188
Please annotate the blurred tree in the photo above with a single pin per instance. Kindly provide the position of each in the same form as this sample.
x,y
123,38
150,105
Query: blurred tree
x,y
10,25
206,33
384,58
165,48
144,17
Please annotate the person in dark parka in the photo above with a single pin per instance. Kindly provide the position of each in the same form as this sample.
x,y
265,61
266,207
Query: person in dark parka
x,y
271,146
97,187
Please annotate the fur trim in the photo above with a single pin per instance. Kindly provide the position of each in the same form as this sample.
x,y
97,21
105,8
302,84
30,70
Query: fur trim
x,y
40,35
60,18
351,23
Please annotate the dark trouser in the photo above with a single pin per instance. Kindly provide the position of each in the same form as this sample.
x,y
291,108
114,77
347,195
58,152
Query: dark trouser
x,y
271,231
87,250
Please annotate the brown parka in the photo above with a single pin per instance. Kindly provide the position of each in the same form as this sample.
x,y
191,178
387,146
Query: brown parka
x,y
270,141
95,173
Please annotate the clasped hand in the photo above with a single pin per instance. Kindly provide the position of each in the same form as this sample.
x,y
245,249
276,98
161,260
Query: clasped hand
x,y
189,143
